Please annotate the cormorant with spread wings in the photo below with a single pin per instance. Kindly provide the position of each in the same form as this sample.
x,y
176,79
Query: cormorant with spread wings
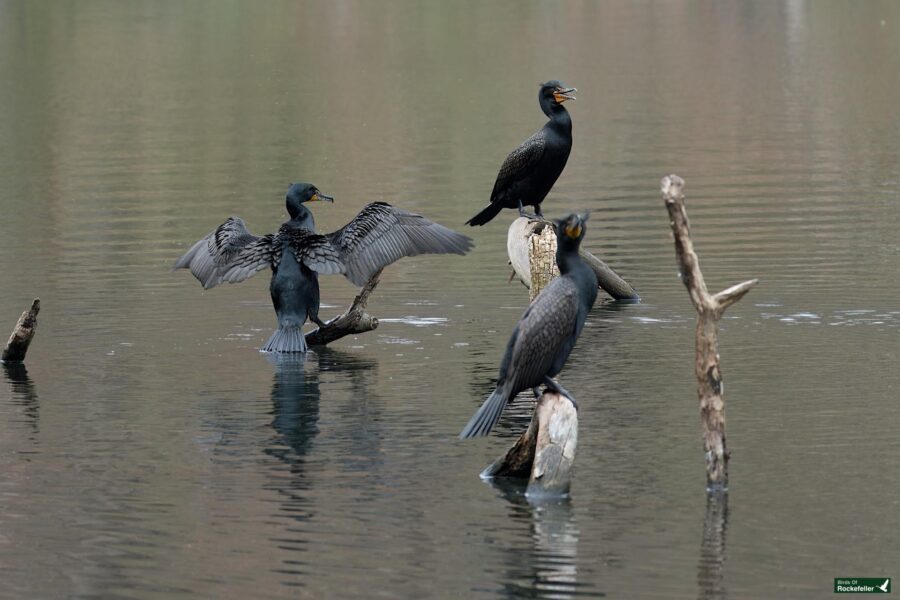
x,y
376,237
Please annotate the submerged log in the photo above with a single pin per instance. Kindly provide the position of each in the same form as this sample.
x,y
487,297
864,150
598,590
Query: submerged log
x,y
545,453
21,337
354,320
531,246
710,308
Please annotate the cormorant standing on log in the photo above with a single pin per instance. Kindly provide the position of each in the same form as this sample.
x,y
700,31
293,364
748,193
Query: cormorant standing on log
x,y
545,335
530,170
378,236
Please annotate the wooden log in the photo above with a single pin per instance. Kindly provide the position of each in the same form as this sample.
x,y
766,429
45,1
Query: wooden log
x,y
531,246
354,320
710,309
545,453
21,337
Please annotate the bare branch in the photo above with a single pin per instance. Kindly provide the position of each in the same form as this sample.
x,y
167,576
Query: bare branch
x,y
355,320
688,263
726,298
710,387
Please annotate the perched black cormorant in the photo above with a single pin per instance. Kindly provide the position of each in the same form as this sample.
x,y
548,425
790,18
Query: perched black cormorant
x,y
530,170
545,335
379,235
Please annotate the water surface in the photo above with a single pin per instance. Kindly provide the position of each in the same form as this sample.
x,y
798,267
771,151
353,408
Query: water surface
x,y
147,449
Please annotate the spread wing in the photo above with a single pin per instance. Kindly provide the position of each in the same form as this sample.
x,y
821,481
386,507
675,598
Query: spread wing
x,y
382,234
520,161
545,333
230,253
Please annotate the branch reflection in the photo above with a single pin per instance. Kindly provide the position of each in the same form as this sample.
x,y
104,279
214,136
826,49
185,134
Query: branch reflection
x,y
710,567
23,392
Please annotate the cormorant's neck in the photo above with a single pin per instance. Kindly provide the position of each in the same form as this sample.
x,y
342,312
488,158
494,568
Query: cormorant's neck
x,y
567,258
298,212
559,117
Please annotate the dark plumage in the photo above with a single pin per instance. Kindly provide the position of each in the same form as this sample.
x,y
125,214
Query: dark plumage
x,y
528,173
376,237
545,335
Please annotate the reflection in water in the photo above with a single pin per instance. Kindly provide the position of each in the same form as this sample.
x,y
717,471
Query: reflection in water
x,y
295,397
712,549
549,564
23,392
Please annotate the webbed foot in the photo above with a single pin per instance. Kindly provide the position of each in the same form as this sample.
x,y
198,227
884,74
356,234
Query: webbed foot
x,y
556,388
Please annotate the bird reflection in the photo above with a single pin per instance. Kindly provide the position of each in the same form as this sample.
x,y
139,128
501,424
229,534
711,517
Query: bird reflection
x,y
23,392
710,567
296,392
549,564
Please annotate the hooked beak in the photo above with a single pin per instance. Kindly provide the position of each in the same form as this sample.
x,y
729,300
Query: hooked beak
x,y
572,226
320,197
561,95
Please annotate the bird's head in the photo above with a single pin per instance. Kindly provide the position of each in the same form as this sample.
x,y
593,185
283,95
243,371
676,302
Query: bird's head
x,y
570,230
554,93
298,193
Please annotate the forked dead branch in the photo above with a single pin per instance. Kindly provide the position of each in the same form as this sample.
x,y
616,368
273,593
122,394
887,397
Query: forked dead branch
x,y
710,308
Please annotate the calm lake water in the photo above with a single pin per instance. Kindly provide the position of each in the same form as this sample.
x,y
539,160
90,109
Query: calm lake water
x,y
149,451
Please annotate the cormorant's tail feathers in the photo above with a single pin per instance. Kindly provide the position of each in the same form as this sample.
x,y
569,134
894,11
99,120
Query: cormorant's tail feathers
x,y
487,416
488,213
287,338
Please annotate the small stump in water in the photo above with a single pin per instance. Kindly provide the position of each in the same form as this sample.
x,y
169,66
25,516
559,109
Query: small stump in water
x,y
21,337
545,453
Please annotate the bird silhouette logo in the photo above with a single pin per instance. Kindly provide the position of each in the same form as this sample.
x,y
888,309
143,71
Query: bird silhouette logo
x,y
886,586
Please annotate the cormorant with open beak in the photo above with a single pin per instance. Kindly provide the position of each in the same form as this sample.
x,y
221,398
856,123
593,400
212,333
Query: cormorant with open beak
x,y
529,172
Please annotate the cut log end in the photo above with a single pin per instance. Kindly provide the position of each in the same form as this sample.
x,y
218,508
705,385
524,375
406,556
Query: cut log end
x,y
545,453
21,337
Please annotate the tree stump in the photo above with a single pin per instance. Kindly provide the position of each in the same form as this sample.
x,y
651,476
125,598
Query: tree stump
x,y
545,453
531,246
710,309
21,337
354,320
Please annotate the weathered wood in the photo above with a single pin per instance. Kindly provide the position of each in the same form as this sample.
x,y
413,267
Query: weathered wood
x,y
541,258
21,337
354,320
531,246
545,453
709,310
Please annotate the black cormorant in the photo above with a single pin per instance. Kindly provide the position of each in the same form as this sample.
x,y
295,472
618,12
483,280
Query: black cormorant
x,y
545,335
530,170
376,237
